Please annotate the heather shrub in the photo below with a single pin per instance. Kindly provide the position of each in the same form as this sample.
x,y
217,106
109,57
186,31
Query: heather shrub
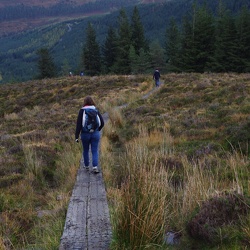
x,y
217,214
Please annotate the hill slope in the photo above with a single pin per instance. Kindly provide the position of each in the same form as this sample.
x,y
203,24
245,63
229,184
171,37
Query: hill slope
x,y
26,14
202,113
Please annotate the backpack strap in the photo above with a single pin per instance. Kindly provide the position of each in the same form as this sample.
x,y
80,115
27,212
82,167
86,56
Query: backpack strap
x,y
83,117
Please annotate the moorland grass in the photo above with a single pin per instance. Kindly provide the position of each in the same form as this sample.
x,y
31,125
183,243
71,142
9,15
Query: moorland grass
x,y
165,158
39,158
148,200
181,161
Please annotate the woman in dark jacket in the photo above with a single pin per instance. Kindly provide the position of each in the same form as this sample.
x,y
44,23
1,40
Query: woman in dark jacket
x,y
89,138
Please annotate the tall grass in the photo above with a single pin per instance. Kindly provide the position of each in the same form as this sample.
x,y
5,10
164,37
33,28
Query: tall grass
x,y
37,208
143,202
146,197
33,166
139,192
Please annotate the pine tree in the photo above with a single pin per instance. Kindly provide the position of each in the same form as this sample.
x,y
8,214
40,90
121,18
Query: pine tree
x,y
225,57
46,65
203,37
157,55
137,32
143,62
243,41
173,46
197,40
122,65
91,53
110,50
65,68
188,50
140,64
133,60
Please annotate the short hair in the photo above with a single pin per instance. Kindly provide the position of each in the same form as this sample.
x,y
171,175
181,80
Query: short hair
x,y
88,101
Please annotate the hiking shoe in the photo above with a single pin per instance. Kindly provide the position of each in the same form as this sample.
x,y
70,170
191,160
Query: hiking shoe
x,y
95,170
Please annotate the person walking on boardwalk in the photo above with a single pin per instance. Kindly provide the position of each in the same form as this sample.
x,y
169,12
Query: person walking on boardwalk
x,y
89,124
156,77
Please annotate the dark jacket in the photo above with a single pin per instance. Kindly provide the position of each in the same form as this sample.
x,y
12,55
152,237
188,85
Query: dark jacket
x,y
79,123
156,75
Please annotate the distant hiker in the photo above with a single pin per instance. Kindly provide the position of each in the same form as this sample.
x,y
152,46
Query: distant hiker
x,y
156,77
70,73
81,73
89,123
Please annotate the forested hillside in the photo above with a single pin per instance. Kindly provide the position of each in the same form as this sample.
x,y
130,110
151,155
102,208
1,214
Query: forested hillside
x,y
65,40
25,15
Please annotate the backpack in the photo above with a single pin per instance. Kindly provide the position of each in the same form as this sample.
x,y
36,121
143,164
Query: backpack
x,y
90,120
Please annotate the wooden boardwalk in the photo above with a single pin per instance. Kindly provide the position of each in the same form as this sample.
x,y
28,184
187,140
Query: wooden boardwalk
x,y
87,225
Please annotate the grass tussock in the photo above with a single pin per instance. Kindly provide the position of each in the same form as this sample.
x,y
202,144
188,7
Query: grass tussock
x,y
142,203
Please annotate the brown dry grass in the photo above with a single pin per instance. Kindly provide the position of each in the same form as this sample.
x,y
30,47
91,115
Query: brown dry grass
x,y
178,153
161,156
150,197
39,159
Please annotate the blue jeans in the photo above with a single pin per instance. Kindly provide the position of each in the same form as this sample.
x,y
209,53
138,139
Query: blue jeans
x,y
90,140
157,82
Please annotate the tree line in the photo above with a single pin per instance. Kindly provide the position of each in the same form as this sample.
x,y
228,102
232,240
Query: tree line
x,y
202,42
205,42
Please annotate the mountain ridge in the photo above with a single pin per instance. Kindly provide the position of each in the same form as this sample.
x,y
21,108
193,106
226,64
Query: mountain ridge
x,y
47,3
28,14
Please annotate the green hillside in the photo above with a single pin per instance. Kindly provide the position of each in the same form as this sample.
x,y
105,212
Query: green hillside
x,y
176,160
62,8
18,58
